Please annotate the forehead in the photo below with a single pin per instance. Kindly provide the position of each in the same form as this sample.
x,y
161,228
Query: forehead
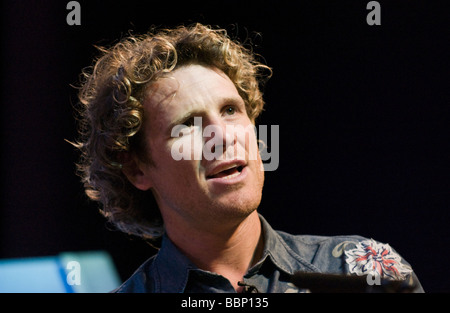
x,y
188,87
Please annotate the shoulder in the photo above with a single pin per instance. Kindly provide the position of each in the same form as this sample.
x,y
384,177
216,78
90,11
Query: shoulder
x,y
317,240
337,254
318,249
139,281
351,255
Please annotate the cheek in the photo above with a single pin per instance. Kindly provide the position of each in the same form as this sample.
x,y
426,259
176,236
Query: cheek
x,y
252,146
186,145
172,178
247,141
179,159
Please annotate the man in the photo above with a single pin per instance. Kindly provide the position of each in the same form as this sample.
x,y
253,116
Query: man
x,y
169,150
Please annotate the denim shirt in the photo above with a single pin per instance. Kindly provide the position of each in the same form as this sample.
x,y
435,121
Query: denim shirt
x,y
170,271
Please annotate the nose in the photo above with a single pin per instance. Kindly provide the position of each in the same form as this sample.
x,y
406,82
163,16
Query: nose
x,y
218,139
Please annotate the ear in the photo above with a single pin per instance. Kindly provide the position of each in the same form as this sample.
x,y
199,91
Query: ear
x,y
136,171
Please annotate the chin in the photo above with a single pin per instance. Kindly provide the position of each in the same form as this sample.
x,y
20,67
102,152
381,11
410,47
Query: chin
x,y
239,205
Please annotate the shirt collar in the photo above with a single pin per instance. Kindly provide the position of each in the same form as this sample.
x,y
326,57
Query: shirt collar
x,y
173,267
281,254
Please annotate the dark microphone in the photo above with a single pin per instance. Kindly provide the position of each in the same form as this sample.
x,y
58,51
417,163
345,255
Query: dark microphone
x,y
247,288
334,283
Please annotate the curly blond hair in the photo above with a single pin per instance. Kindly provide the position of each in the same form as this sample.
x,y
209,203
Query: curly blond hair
x,y
111,96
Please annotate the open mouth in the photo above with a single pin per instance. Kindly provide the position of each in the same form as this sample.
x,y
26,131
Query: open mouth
x,y
228,173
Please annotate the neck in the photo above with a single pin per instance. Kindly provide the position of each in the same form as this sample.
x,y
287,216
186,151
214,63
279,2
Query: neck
x,y
229,250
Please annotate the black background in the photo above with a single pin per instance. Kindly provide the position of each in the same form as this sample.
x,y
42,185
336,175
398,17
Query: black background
x,y
363,112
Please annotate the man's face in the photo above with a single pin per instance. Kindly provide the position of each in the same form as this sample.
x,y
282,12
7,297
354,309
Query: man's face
x,y
200,188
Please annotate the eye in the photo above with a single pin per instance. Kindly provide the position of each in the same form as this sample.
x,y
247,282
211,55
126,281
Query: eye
x,y
189,122
229,110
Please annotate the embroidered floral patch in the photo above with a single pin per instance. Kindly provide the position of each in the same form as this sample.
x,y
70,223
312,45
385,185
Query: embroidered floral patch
x,y
374,258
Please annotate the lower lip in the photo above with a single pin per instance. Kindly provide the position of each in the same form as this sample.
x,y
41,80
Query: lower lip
x,y
227,180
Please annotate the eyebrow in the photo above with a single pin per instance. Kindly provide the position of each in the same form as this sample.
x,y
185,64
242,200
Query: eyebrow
x,y
184,118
